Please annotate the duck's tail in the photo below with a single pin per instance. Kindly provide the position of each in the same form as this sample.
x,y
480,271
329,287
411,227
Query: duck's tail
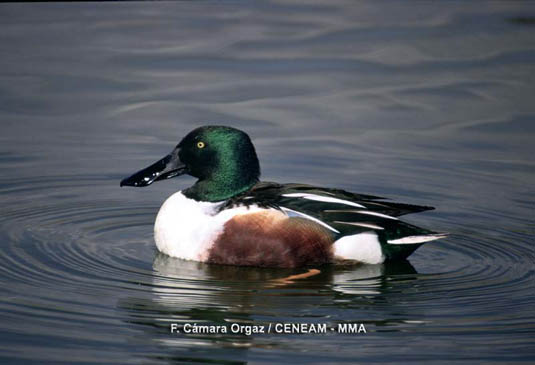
x,y
403,247
419,239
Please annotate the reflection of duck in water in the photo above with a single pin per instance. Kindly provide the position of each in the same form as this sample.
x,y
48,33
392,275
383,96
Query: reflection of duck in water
x,y
171,276
192,292
229,217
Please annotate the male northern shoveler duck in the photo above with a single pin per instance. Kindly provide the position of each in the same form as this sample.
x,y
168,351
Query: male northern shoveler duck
x,y
230,217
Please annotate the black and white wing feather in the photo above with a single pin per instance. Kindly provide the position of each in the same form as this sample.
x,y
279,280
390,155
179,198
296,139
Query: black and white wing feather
x,y
343,213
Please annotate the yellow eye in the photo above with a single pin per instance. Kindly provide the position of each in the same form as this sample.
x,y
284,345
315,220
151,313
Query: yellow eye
x,y
200,144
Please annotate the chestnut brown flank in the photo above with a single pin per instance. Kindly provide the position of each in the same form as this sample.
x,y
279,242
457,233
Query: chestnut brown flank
x,y
271,239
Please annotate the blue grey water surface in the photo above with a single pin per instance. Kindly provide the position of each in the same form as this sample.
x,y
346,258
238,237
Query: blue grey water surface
x,y
425,102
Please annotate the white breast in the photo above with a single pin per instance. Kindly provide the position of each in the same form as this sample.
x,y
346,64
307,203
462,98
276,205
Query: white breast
x,y
186,228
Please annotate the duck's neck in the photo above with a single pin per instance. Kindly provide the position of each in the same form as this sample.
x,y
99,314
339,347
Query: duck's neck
x,y
215,190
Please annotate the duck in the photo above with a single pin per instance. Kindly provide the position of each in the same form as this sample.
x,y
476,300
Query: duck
x,y
230,217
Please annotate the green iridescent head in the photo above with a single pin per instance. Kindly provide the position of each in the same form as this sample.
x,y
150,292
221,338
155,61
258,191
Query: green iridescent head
x,y
222,158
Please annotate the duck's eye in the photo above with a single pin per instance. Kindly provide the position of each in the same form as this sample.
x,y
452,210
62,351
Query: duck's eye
x,y
200,144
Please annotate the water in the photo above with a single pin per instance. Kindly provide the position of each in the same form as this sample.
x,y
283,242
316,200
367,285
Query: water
x,y
428,103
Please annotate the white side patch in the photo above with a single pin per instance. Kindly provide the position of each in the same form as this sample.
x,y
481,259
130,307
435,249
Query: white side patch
x,y
323,199
299,214
363,247
409,240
